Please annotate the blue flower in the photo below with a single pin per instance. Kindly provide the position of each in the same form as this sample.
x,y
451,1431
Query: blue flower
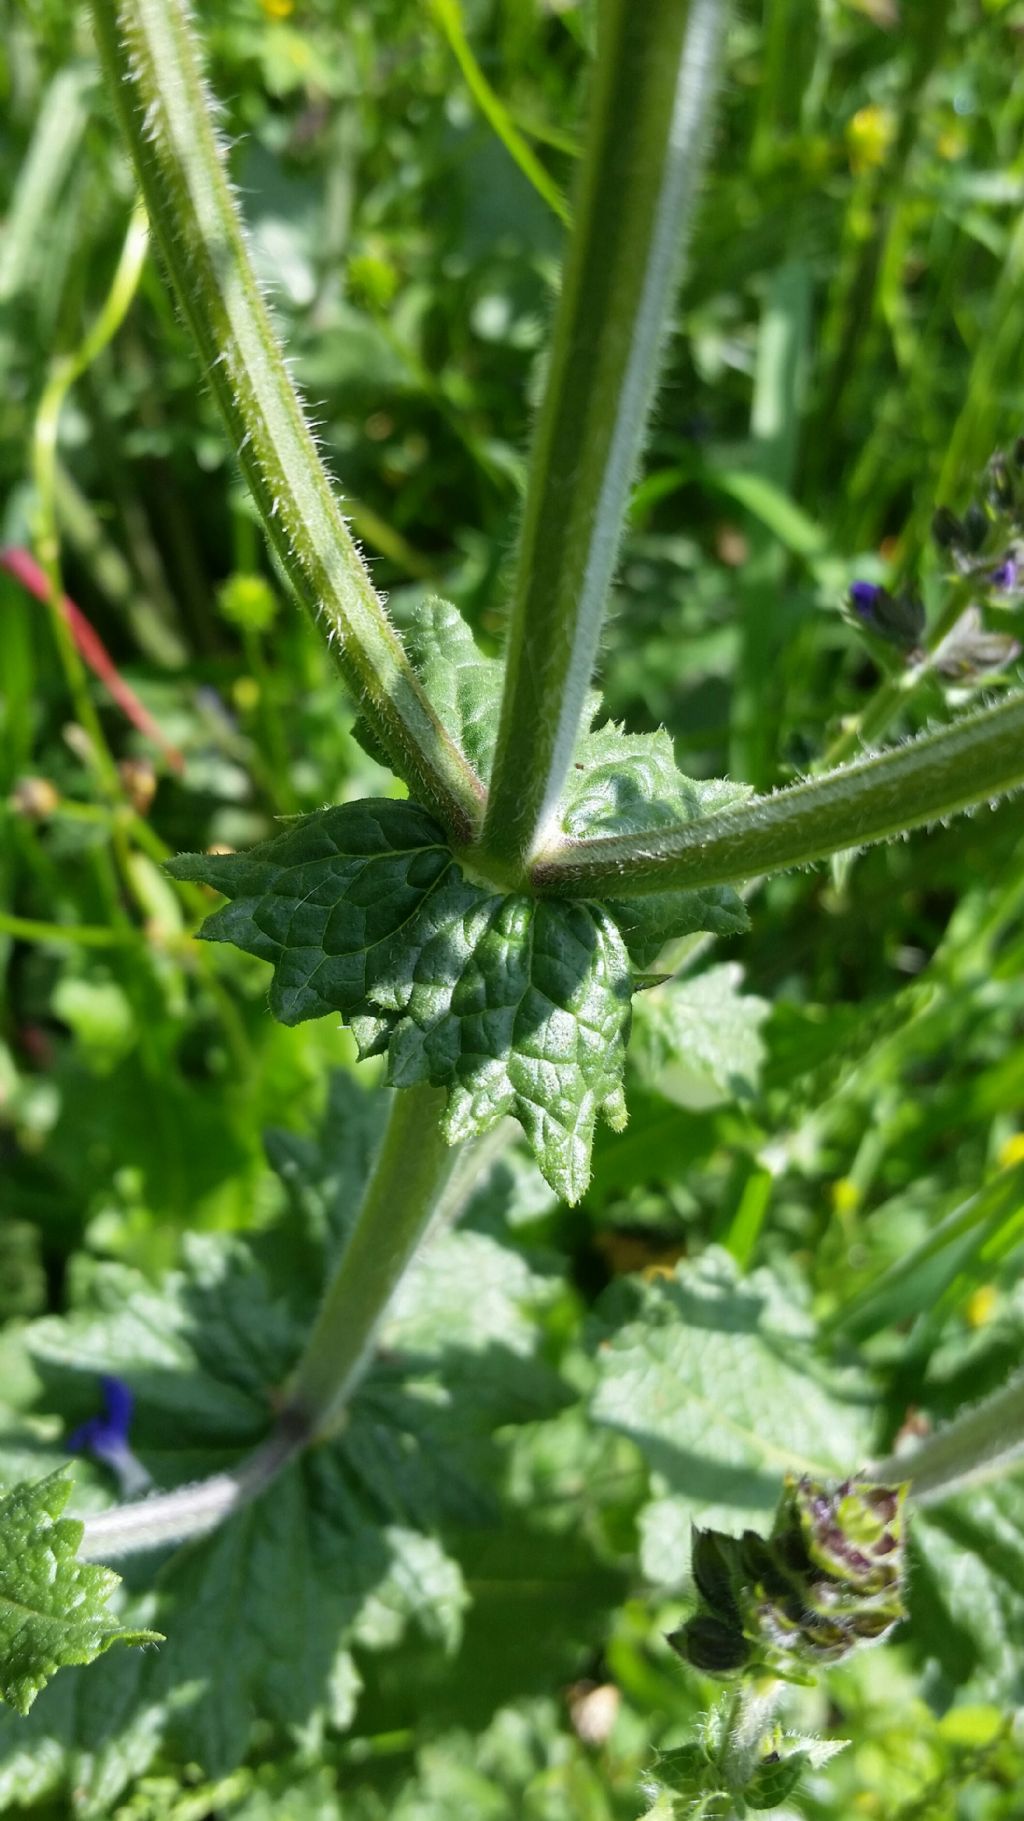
x,y
898,619
106,1439
866,597
1006,576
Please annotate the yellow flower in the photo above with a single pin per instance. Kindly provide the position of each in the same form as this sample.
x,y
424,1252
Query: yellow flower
x,y
980,1305
869,136
845,1196
278,9
1012,1151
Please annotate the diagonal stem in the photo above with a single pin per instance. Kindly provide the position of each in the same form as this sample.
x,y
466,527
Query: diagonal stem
x,y
973,761
980,1444
405,1191
154,71
655,83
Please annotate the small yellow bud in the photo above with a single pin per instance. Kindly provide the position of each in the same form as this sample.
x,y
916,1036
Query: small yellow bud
x,y
245,693
845,1196
1012,1151
981,1305
278,9
869,136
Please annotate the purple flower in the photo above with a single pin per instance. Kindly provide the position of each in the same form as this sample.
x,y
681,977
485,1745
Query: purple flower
x,y
1006,576
866,597
898,619
106,1439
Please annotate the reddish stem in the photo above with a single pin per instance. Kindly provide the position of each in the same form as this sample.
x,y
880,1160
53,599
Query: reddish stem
x,y
94,653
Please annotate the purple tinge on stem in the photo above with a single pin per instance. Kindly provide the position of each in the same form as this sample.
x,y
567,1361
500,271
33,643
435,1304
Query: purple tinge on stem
x,y
106,1439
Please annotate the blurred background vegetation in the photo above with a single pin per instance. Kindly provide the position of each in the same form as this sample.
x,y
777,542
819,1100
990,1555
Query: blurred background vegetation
x,y
847,354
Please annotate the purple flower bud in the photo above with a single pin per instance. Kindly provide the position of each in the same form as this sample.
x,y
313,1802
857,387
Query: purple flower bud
x,y
106,1439
1005,577
866,597
898,619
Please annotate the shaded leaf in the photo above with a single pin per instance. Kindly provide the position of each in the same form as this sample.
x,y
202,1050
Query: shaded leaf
x,y
698,1042
715,1379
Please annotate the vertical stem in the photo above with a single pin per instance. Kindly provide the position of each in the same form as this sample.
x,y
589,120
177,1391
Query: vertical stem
x,y
410,1173
654,86
62,377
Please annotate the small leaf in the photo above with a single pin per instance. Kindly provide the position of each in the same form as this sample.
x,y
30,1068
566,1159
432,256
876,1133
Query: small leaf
x,y
775,1780
698,1042
514,1004
464,686
52,1606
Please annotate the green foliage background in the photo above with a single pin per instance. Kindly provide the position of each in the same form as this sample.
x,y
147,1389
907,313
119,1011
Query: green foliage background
x,y
838,1082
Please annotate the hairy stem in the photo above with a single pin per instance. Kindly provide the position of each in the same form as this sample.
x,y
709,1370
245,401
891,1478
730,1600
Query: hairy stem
x,y
154,72
975,760
189,1511
654,87
982,1444
401,1198
406,1189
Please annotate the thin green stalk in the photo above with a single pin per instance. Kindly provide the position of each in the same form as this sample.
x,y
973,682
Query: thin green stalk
x,y
448,14
654,86
401,1198
77,935
46,431
978,758
982,1444
154,72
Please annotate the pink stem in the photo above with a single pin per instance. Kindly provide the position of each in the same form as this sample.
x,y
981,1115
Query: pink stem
x,y
94,653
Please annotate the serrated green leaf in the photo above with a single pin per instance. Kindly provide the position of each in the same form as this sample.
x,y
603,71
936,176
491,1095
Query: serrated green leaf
x,y
714,1377
515,1004
464,686
53,1608
624,783
698,1042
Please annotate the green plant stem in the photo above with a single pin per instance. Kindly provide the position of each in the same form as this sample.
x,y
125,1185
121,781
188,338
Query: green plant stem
x,y
153,68
976,759
189,1511
410,1174
750,1711
78,935
64,372
405,1191
654,87
448,14
982,1444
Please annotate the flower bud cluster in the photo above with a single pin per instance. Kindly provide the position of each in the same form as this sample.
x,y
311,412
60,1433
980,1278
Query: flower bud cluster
x,y
829,1577
985,548
986,543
